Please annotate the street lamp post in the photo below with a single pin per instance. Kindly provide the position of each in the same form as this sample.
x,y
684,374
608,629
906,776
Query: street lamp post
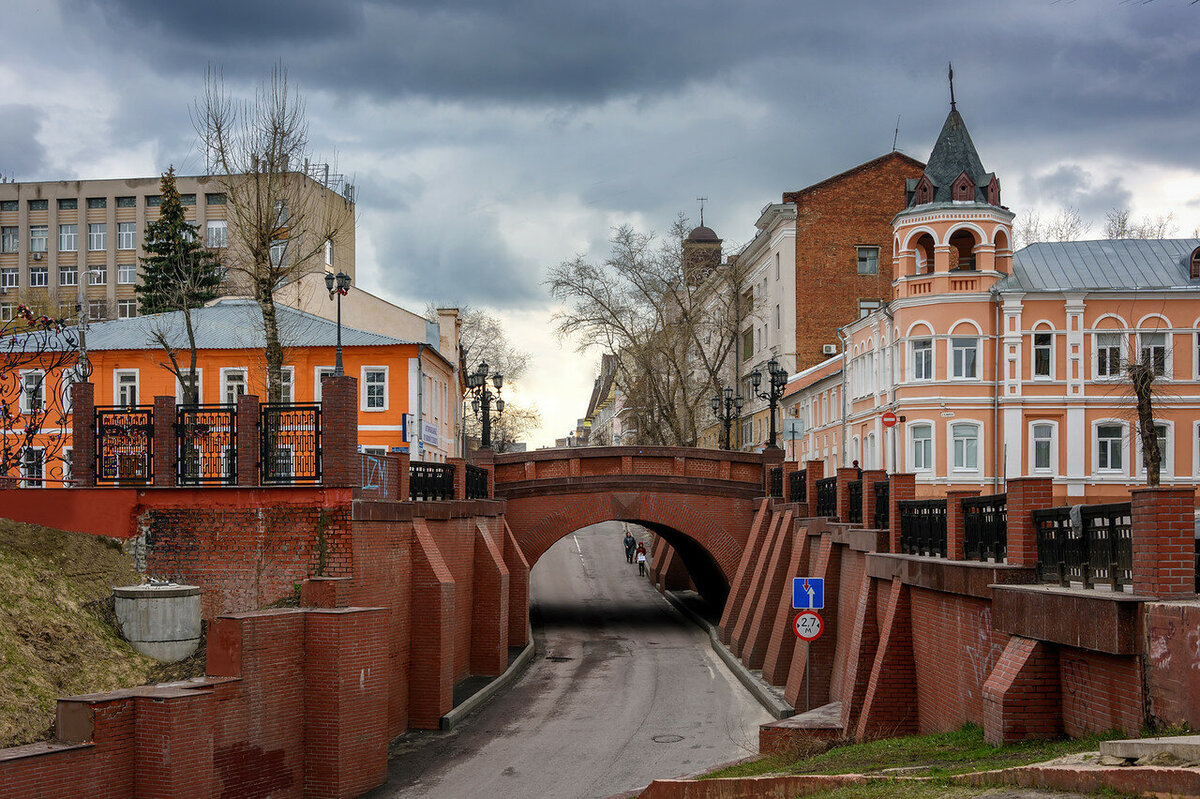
x,y
725,410
339,286
777,379
481,400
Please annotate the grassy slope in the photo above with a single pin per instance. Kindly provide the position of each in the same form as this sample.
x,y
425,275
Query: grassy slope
x,y
54,636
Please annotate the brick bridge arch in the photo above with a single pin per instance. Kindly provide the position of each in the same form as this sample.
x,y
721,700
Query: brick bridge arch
x,y
702,502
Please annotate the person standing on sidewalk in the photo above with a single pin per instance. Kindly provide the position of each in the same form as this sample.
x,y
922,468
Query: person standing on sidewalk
x,y
630,545
641,559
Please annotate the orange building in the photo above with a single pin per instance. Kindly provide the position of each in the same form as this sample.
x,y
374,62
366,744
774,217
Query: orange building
x,y
406,388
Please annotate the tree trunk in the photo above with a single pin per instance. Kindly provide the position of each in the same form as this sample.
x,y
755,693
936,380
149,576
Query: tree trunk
x,y
1142,377
274,350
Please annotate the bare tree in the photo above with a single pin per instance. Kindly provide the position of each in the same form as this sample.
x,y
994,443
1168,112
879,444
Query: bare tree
x,y
281,221
1067,225
1118,224
673,331
1141,376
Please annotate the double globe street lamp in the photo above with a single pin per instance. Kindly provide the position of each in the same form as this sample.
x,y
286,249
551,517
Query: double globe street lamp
x,y
481,400
726,410
777,380
338,286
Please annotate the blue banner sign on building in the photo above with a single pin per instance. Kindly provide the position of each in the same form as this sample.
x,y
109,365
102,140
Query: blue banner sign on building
x,y
808,593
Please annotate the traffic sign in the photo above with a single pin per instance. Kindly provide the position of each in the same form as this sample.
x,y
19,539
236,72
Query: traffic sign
x,y
890,419
808,625
808,593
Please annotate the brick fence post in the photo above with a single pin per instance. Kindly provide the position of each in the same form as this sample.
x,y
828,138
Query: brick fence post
x,y
901,486
83,434
813,471
486,459
772,457
166,450
402,489
1025,495
845,476
460,477
1164,522
955,532
869,479
248,419
788,468
339,431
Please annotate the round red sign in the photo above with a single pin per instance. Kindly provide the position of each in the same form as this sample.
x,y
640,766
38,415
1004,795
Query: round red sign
x,y
889,419
808,625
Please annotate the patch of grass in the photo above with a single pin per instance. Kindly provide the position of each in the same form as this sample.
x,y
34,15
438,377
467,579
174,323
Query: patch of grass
x,y
958,752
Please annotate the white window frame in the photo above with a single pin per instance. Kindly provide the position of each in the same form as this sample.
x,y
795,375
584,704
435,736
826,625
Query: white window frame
x,y
952,447
65,381
911,449
1122,353
1167,337
1122,470
41,461
288,376
102,306
68,461
39,238
210,228
318,373
126,274
68,235
10,277
329,252
955,349
126,304
97,275
137,387
199,387
366,391
1166,468
1033,351
866,250
23,403
226,373
10,238
914,376
68,275
97,236
1052,469
127,235
39,276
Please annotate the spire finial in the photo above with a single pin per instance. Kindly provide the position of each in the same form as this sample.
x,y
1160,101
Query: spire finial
x,y
701,200
951,76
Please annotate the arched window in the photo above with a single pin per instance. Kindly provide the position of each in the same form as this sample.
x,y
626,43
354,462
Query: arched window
x,y
924,248
963,250
1195,264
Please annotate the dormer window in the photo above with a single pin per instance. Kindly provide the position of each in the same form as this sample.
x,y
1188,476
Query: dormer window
x,y
993,191
924,191
1194,272
964,188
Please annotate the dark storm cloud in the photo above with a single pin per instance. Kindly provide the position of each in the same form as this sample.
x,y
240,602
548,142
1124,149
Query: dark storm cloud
x,y
21,154
1072,186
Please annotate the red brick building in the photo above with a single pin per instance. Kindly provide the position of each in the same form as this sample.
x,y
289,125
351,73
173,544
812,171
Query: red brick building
x,y
843,248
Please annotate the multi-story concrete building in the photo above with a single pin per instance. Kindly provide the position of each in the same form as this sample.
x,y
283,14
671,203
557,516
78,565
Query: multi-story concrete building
x,y
75,243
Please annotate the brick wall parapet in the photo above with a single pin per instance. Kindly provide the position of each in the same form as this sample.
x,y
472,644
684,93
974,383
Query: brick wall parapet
x,y
869,478
1163,534
845,475
1025,495
460,477
901,486
813,471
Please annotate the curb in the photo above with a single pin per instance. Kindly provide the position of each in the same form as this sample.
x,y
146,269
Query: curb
x,y
773,704
481,697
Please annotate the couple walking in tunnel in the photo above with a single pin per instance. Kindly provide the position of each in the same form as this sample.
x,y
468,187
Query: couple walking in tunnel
x,y
635,550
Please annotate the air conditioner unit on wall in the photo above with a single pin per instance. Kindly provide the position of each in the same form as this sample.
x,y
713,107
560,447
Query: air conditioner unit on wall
x,y
829,349
37,256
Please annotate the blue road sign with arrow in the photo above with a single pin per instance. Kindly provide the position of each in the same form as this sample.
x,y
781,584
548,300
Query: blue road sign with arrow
x,y
808,593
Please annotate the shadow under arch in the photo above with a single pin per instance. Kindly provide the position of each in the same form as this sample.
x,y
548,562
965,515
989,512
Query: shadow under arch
x,y
703,570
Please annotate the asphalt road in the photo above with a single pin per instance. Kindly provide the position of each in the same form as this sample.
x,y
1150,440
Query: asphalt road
x,y
623,689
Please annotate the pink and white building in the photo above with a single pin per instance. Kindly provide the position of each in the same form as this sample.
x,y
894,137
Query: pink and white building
x,y
1004,364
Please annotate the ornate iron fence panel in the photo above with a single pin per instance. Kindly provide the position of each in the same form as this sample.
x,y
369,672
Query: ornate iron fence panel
x,y
290,444
923,527
477,482
1060,546
985,527
430,481
1108,533
776,475
125,445
206,445
827,496
883,510
854,498
798,486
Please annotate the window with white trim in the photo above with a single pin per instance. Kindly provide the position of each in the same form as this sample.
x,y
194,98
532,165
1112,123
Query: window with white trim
x,y
1043,443
921,438
68,275
922,353
39,238
97,275
279,253
287,391
126,309
10,238
1152,348
126,274
33,390
192,379
32,467
126,235
97,236
234,385
7,309
68,238
1108,354
10,278
1110,447
126,389
218,233
965,441
963,355
97,310
329,252
68,465
1162,432
868,260
868,307
39,275
1043,352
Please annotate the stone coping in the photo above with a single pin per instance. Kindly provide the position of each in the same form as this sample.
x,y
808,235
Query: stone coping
x,y
149,591
694,453
967,577
1102,621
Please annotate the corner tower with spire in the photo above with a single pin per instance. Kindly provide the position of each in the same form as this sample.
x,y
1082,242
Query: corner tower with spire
x,y
953,235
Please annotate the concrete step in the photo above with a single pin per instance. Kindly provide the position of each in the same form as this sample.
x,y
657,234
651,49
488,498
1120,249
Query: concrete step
x,y
1183,748
822,723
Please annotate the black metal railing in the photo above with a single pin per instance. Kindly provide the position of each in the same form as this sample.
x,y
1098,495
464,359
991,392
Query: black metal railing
x,y
776,481
827,497
289,444
477,482
883,511
798,486
429,481
854,501
125,445
1089,544
923,527
985,527
206,445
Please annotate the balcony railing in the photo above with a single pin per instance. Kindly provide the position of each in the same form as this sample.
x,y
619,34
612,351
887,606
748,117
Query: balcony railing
x,y
776,480
883,510
985,527
477,482
854,501
428,481
827,497
1086,545
798,486
923,527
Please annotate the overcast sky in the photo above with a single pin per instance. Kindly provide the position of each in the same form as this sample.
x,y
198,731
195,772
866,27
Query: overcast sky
x,y
491,140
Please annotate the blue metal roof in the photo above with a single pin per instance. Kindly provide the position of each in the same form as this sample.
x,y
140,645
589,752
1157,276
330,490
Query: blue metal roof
x,y
1112,264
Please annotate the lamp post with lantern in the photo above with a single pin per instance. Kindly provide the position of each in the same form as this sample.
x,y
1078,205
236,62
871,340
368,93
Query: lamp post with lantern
x,y
725,410
482,400
338,286
776,381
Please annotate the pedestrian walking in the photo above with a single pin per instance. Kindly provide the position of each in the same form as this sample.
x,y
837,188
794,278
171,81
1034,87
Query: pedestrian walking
x,y
641,559
630,546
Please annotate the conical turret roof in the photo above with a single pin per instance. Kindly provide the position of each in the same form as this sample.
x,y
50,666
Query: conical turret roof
x,y
953,154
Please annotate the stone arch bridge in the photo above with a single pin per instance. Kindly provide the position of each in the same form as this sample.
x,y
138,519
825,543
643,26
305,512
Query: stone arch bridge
x,y
701,502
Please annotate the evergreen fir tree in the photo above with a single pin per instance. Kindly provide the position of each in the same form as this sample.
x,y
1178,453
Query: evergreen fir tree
x,y
177,272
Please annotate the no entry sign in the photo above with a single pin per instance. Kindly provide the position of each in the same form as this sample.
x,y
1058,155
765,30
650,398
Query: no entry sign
x,y
889,419
808,625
